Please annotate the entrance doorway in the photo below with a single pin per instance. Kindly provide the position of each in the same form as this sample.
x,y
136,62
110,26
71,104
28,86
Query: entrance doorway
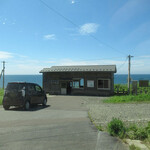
x,y
69,87
66,87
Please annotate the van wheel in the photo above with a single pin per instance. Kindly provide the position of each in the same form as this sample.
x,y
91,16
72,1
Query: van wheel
x,y
44,102
6,107
27,105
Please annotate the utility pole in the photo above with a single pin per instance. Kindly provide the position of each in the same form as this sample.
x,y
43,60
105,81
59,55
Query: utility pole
x,y
3,74
129,66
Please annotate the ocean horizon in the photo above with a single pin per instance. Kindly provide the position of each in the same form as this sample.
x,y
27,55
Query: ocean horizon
x,y
118,78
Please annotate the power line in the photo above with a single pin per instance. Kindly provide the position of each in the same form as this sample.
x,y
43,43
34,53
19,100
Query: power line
x,y
97,59
121,66
123,63
58,13
104,43
70,21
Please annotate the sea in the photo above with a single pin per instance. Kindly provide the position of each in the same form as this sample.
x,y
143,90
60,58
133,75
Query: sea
x,y
118,78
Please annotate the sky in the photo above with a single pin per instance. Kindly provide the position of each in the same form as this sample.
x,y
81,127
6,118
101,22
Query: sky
x,y
37,34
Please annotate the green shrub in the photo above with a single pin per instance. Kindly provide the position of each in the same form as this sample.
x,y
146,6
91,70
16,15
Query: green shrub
x,y
131,135
148,128
141,134
116,128
138,133
131,132
133,127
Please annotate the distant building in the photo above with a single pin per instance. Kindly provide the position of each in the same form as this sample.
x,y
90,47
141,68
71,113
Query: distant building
x,y
79,80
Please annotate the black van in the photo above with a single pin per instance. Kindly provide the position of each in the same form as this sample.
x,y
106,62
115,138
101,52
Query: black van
x,y
23,94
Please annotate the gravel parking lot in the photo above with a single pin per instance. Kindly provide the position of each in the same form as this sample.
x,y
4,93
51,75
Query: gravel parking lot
x,y
102,113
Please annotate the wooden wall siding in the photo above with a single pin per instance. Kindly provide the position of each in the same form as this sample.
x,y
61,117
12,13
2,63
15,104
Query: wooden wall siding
x,y
56,89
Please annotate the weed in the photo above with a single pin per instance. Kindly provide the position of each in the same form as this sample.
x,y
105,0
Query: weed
x,y
133,147
138,133
141,134
116,128
100,128
148,129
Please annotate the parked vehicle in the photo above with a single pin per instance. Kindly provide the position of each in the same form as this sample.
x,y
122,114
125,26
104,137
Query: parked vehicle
x,y
23,94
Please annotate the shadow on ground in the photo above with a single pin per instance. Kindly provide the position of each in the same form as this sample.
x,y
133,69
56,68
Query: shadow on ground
x,y
32,108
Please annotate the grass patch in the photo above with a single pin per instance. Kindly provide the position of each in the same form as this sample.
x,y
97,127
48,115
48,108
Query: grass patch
x,y
133,147
117,128
1,95
143,95
100,128
128,98
121,87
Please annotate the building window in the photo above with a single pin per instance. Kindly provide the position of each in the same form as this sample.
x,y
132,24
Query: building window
x,y
90,83
78,83
75,84
81,83
55,82
103,83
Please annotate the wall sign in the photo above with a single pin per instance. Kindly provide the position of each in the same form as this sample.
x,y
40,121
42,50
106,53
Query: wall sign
x,y
90,83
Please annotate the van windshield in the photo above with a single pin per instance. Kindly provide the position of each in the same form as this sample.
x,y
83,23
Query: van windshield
x,y
14,86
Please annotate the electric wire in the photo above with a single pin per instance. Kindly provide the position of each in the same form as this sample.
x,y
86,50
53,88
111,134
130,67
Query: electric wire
x,y
116,76
98,59
70,21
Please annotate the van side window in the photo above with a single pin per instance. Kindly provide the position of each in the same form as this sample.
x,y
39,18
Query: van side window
x,y
37,88
31,88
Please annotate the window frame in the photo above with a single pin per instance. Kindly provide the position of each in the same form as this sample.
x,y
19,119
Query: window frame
x,y
109,81
93,84
78,80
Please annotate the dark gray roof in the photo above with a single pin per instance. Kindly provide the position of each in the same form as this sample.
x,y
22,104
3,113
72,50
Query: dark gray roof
x,y
88,68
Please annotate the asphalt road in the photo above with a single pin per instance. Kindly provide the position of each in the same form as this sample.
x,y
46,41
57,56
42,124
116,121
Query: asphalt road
x,y
62,125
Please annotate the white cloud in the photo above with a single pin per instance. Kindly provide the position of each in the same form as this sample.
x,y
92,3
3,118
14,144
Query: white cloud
x,y
145,56
139,65
69,62
88,28
144,46
50,62
24,66
138,33
5,55
27,69
130,9
50,37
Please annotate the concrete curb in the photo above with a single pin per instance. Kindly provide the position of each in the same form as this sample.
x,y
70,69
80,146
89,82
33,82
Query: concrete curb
x,y
107,142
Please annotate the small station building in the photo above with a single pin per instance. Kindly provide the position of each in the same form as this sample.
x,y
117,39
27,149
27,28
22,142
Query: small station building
x,y
79,80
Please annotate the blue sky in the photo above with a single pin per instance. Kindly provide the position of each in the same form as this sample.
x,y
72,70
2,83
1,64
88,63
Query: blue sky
x,y
35,34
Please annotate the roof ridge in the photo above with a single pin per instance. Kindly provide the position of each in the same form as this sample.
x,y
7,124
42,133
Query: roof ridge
x,y
87,65
81,68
